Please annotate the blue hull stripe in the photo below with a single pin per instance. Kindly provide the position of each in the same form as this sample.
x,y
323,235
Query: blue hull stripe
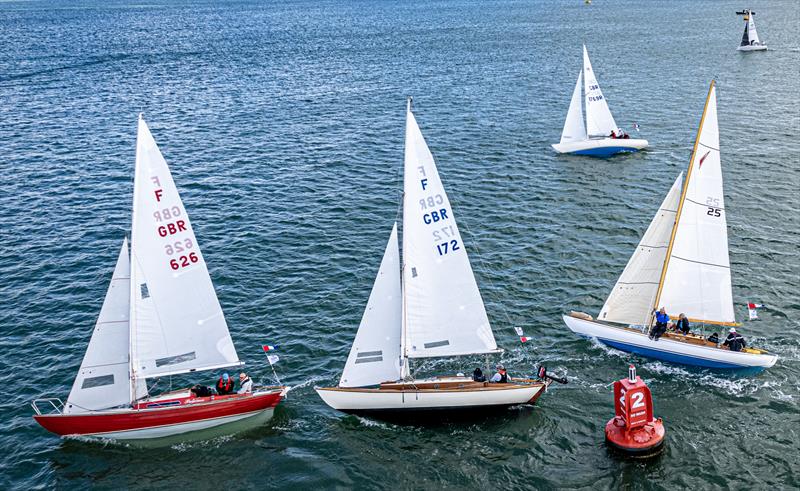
x,y
604,151
673,357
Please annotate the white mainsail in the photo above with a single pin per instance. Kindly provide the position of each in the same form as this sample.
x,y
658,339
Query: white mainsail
x,y
574,128
697,276
444,312
632,298
177,322
751,25
375,354
103,379
599,121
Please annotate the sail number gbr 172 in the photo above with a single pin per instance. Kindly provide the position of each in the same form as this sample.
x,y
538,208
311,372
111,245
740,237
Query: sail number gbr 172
x,y
434,213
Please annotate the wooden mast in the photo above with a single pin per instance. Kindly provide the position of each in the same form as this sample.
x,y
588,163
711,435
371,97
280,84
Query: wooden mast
x,y
680,203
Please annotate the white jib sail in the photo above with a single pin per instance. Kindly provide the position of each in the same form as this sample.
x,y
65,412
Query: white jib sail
x,y
103,380
698,274
632,298
599,121
375,355
574,128
444,314
177,322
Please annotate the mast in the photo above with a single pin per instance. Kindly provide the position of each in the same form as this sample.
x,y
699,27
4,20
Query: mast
x,y
405,370
132,306
680,203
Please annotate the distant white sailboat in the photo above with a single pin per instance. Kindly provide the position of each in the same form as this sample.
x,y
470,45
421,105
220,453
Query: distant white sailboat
x,y
750,40
680,264
427,305
160,317
599,136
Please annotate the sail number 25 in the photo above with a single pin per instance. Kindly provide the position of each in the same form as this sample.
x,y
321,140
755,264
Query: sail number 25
x,y
713,207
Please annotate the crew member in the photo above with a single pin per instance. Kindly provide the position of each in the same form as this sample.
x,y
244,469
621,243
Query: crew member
x,y
734,341
478,375
246,385
662,321
501,376
225,385
683,324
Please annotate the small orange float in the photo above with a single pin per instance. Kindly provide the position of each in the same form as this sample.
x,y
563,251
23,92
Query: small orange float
x,y
633,430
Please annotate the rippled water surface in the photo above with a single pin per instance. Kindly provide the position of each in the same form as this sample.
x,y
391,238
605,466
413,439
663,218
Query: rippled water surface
x,y
283,123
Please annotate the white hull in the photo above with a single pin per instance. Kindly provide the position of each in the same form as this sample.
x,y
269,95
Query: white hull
x,y
601,147
428,399
753,47
665,349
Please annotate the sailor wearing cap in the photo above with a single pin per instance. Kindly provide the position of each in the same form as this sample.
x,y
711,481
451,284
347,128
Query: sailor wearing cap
x,y
734,341
501,376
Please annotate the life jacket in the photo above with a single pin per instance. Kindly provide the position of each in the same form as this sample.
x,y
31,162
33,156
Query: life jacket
x,y
503,377
222,386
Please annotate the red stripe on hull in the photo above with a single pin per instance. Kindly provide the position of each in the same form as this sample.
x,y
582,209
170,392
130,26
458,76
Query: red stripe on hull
x,y
134,419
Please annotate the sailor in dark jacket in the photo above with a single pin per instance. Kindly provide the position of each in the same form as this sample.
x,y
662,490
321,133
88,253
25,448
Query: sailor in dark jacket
x,y
734,341
682,324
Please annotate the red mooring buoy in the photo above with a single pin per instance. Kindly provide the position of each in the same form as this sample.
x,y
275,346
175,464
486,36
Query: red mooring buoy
x,y
633,430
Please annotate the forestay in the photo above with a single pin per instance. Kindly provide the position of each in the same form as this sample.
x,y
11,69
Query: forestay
x,y
632,298
375,354
444,311
178,324
599,121
103,379
574,127
697,278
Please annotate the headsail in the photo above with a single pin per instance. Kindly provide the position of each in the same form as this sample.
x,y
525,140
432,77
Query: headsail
x,y
444,311
751,24
599,121
177,322
697,274
632,298
574,128
103,380
375,355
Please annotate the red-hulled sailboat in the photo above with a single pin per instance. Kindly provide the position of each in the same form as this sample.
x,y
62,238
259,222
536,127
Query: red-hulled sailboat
x,y
160,317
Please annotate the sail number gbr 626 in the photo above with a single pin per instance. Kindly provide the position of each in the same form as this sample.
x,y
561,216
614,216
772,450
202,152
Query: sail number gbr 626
x,y
178,250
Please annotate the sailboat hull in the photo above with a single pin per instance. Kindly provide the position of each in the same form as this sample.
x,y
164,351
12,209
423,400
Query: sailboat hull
x,y
405,398
666,349
752,47
164,418
602,147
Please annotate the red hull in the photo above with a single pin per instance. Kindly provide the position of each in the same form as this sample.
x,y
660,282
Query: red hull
x,y
187,411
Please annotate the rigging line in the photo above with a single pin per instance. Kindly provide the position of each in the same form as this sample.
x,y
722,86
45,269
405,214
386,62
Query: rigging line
x,y
706,205
483,264
701,262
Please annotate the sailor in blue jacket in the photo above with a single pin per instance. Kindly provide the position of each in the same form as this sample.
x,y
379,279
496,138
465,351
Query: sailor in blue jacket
x,y
662,319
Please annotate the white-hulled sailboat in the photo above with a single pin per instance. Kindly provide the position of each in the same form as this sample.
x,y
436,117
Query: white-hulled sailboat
x,y
750,40
426,306
594,137
682,264
160,317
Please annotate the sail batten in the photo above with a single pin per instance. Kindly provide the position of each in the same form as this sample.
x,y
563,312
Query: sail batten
x,y
444,311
